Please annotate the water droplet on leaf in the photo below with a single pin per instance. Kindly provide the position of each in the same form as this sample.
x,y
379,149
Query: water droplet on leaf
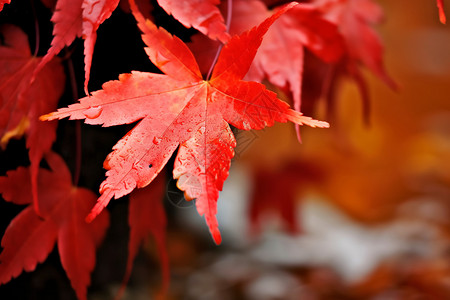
x,y
156,140
93,112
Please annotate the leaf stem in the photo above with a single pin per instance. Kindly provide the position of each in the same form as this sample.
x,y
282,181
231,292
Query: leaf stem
x,y
74,88
228,22
229,14
36,28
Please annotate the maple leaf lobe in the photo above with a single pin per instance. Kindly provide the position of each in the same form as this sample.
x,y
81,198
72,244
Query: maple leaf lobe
x,y
3,2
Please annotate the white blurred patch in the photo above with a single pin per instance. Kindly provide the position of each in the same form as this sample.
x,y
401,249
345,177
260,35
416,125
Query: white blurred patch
x,y
332,239
329,237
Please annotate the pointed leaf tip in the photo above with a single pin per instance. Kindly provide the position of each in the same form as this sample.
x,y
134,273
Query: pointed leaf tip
x,y
234,62
300,119
288,6
98,208
102,202
29,238
442,17
47,117
216,236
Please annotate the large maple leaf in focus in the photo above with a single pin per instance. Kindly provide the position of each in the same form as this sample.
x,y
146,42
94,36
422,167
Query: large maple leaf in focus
x,y
30,238
22,103
78,18
179,109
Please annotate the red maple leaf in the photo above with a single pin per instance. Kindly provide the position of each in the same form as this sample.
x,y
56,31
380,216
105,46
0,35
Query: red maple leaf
x,y
30,238
179,109
440,5
147,217
355,20
203,15
276,193
22,103
78,18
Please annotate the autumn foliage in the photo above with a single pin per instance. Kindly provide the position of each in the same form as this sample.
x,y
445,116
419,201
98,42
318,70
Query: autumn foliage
x,y
184,115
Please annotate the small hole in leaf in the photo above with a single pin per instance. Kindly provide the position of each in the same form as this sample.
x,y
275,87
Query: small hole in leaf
x,y
150,165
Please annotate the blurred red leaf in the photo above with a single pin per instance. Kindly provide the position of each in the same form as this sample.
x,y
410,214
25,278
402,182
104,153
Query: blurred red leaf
x,y
277,193
280,57
22,103
440,5
355,20
147,217
29,238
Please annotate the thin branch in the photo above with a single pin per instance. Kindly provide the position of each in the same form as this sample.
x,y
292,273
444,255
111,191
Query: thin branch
x,y
74,87
36,28
228,22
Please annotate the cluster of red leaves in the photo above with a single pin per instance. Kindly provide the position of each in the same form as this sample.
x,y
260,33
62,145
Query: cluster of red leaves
x,y
30,237
193,116
22,102
175,110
